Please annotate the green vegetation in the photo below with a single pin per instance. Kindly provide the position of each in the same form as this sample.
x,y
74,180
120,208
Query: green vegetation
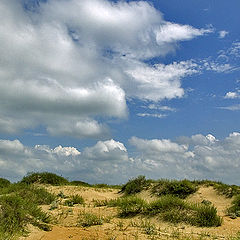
x,y
170,209
222,188
75,199
135,185
180,189
234,210
19,207
227,190
89,219
45,178
4,183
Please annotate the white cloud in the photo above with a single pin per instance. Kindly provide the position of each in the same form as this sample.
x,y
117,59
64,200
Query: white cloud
x,y
69,62
160,81
232,107
171,32
160,107
216,66
223,34
232,95
195,157
66,151
155,115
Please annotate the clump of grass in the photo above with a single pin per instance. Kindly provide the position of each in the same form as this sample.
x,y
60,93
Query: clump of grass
x,y
170,209
222,188
74,199
89,219
4,183
45,178
205,216
19,207
165,203
180,189
235,208
227,190
135,185
131,206
17,212
148,227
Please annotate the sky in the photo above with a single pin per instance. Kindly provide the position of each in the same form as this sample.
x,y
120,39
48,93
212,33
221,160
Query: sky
x,y
103,91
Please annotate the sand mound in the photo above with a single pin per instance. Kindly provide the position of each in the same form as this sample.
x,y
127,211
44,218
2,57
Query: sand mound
x,y
116,228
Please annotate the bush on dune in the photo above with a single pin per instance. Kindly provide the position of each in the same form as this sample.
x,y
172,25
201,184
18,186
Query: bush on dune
x,y
19,207
135,185
180,189
4,183
45,178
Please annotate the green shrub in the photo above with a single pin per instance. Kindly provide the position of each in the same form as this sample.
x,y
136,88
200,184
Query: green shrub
x,y
227,190
17,212
169,208
135,185
4,183
75,199
44,178
165,203
180,189
206,216
235,208
131,206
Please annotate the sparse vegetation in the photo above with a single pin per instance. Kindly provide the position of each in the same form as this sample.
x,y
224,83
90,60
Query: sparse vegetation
x,y
80,183
74,199
89,219
45,178
163,200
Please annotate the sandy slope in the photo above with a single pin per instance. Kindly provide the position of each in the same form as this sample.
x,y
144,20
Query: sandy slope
x,y
127,229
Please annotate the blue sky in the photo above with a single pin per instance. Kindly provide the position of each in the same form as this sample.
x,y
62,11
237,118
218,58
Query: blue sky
x,y
103,91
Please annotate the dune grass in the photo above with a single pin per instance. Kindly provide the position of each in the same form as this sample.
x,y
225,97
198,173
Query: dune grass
x,y
20,206
169,208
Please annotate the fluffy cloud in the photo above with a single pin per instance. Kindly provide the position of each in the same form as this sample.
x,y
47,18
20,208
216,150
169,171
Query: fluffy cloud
x,y
232,95
195,157
66,63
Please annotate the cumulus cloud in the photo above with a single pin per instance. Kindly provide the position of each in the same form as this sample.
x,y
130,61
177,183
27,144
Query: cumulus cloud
x,y
232,95
97,163
194,157
66,63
